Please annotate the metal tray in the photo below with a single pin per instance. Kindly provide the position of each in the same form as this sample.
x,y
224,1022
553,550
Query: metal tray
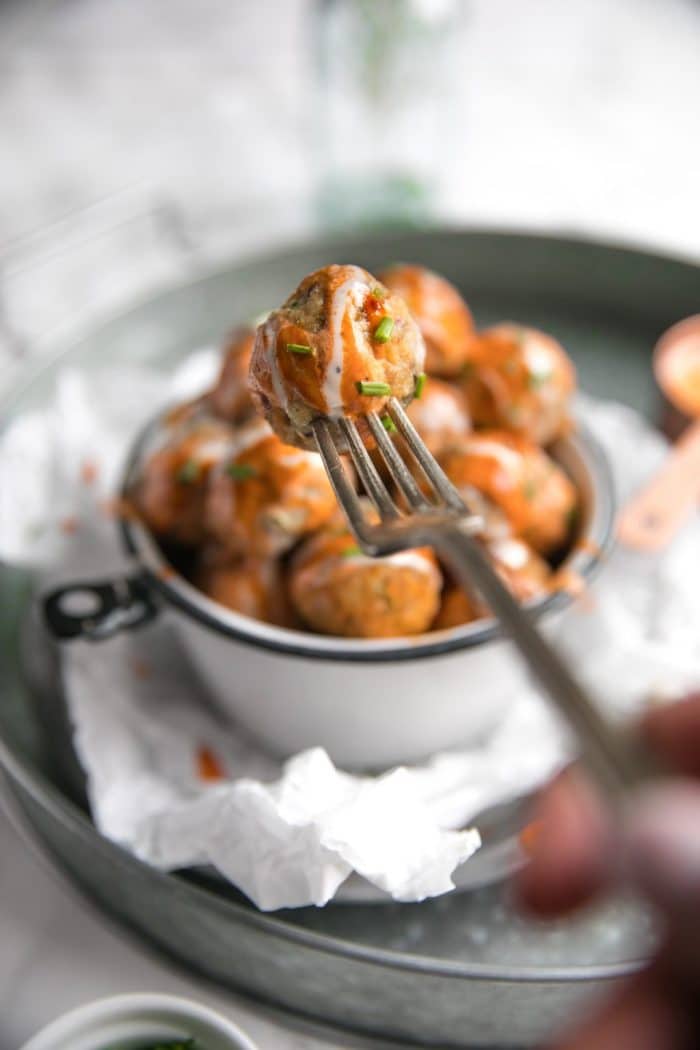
x,y
464,970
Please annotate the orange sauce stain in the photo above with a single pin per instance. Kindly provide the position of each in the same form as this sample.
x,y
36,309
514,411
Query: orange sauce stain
x,y
89,472
529,837
208,766
140,668
69,526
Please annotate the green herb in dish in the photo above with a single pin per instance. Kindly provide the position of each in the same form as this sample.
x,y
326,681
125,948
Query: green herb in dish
x,y
382,333
421,380
299,348
389,424
188,472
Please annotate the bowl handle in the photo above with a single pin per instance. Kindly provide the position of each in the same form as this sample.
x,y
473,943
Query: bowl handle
x,y
96,610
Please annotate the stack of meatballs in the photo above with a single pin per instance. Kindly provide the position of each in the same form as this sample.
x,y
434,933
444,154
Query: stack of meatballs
x,y
254,521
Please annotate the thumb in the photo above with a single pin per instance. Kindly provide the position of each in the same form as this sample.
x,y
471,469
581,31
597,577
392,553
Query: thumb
x,y
661,853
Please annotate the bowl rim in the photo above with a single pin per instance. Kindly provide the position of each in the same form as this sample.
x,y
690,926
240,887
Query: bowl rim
x,y
135,1006
585,560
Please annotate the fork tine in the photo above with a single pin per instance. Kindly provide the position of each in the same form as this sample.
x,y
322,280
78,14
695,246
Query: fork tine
x,y
347,497
369,476
397,468
435,474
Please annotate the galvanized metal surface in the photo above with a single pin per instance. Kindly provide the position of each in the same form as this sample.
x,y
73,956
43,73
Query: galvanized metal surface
x,y
463,971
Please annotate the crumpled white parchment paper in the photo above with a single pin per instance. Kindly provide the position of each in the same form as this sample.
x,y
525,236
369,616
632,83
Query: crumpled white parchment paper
x,y
173,783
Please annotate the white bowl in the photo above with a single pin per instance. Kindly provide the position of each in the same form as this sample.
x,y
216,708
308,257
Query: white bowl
x,y
132,1021
370,703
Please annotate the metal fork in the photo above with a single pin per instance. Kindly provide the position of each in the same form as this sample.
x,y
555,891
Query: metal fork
x,y
615,759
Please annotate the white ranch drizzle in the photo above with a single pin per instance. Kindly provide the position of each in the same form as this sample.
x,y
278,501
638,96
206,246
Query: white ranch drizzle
x,y
354,288
270,352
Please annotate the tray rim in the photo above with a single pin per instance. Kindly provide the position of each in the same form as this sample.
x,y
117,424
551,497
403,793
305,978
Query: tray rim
x,y
46,794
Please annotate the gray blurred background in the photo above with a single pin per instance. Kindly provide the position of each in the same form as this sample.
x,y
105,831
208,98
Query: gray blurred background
x,y
141,140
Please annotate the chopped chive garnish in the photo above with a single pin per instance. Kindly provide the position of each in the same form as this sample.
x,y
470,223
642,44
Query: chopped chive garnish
x,y
529,490
351,552
382,333
188,472
421,380
378,293
537,379
389,424
299,348
374,389
241,471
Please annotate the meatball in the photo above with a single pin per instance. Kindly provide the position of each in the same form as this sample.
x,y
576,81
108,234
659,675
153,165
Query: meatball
x,y
337,590
230,397
534,493
457,608
524,572
267,495
442,315
170,494
252,587
519,379
341,345
439,415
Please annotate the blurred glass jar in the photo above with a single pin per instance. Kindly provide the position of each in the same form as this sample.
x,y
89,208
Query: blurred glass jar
x,y
387,104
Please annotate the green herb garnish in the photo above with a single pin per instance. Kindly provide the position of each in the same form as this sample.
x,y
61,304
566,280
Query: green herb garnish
x,y
188,472
373,389
351,552
537,379
529,490
421,380
241,471
382,333
389,424
299,348
378,293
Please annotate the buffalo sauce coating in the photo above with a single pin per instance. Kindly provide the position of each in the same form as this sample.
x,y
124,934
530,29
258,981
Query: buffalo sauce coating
x,y
230,396
519,379
341,327
172,488
439,415
441,313
536,496
252,587
525,573
267,496
337,590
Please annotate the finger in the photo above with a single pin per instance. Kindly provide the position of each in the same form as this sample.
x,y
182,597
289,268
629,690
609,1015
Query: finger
x,y
569,853
642,1017
662,843
674,733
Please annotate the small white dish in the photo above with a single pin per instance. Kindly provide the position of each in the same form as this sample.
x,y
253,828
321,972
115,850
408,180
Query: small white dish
x,y
131,1022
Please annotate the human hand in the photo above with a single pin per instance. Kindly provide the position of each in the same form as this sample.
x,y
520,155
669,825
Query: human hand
x,y
576,854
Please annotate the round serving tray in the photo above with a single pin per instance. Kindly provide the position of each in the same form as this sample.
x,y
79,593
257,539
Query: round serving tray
x,y
463,970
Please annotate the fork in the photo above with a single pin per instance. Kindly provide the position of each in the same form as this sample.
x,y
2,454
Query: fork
x,y
616,760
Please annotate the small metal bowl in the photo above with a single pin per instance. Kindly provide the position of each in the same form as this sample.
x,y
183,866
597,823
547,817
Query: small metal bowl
x,y
370,703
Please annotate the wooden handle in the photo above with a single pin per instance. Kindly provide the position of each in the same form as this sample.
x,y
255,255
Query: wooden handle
x,y
654,516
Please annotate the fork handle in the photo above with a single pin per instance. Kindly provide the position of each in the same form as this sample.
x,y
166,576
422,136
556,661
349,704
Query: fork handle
x,y
616,760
